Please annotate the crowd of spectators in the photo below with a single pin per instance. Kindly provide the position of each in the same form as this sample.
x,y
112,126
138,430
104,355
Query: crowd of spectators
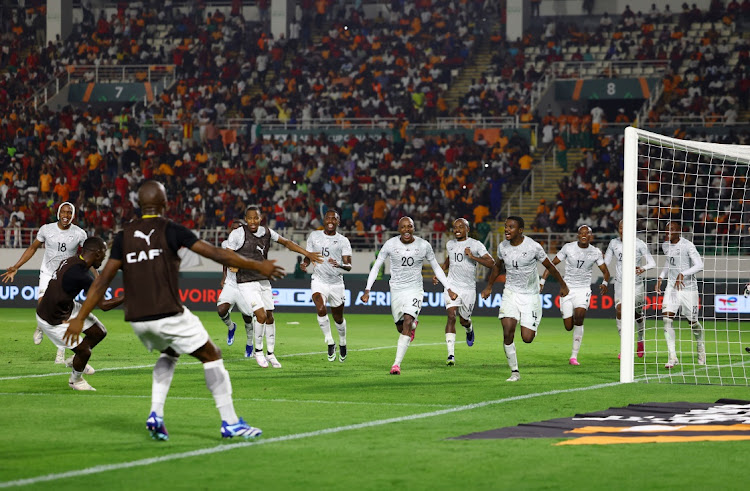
x,y
396,67
709,198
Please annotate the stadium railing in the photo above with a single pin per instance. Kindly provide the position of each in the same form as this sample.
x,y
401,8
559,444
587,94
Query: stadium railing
x,y
103,74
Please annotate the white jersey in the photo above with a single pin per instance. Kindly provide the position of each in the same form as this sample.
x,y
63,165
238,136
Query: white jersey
x,y
521,273
579,262
614,250
236,238
682,257
406,262
59,244
231,278
335,247
462,271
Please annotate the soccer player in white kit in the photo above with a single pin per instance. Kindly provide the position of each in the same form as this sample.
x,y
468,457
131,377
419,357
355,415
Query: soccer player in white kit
x,y
462,255
580,258
614,250
521,303
229,297
681,294
327,283
61,240
406,253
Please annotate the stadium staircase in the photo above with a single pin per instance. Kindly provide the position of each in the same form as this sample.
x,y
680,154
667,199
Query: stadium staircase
x,y
547,175
479,65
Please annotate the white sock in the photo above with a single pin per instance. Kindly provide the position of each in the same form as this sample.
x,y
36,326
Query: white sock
x,y
270,337
619,327
699,335
218,382
325,325
470,327
669,336
250,332
75,375
403,345
641,326
510,354
161,381
577,339
341,328
450,341
258,334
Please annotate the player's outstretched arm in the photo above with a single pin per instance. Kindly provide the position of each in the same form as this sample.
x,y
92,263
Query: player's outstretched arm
x,y
662,275
494,273
346,263
556,275
112,303
93,297
440,275
444,267
10,274
315,257
545,273
605,273
228,257
485,260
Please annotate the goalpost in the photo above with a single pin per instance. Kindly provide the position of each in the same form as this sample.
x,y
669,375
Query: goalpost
x,y
705,187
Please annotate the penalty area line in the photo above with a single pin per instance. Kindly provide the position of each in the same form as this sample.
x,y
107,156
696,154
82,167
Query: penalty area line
x,y
296,436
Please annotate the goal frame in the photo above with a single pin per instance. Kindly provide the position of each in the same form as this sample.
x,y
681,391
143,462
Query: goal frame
x,y
630,202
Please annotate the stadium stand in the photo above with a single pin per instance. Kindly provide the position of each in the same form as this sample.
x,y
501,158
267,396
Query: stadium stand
x,y
394,72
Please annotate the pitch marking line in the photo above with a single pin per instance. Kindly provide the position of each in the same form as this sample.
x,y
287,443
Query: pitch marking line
x,y
297,436
181,363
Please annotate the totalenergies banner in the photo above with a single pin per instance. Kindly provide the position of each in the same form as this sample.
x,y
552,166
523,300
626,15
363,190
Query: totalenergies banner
x,y
199,292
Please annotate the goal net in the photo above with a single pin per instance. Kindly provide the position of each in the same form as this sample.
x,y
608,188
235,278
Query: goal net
x,y
705,189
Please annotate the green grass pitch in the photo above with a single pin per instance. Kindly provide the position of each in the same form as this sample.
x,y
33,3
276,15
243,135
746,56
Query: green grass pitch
x,y
341,425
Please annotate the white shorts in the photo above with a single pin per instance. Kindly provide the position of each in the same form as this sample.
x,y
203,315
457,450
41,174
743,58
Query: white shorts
x,y
56,333
406,302
465,301
182,332
44,280
231,294
578,298
683,302
640,294
334,293
257,294
526,308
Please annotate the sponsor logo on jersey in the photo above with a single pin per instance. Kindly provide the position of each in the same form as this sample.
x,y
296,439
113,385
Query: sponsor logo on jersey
x,y
140,256
140,235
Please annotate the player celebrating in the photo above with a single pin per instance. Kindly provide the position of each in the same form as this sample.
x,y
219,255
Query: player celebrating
x,y
253,241
407,253
61,241
681,294
521,303
327,283
462,255
580,258
58,305
614,249
146,251
229,297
